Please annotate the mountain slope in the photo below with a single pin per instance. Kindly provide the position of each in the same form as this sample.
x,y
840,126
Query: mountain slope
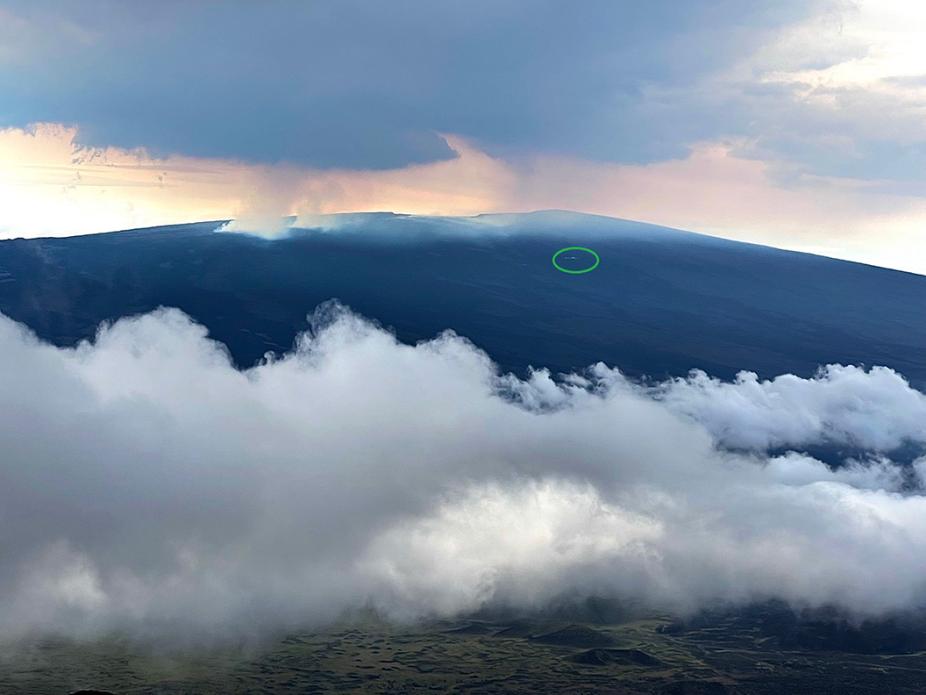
x,y
661,301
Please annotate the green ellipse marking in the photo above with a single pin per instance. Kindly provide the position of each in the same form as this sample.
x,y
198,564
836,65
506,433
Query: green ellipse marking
x,y
576,272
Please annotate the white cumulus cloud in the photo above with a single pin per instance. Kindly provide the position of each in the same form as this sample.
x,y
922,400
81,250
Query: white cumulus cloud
x,y
148,484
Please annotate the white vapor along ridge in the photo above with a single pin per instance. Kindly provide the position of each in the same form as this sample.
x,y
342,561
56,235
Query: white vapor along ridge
x,y
148,484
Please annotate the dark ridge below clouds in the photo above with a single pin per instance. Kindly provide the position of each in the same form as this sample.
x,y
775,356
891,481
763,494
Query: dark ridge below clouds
x,y
661,303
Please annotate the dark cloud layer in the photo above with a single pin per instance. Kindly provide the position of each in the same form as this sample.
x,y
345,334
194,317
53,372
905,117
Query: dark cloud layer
x,y
373,84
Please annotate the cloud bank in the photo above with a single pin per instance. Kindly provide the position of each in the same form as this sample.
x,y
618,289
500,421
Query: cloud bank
x,y
873,410
148,485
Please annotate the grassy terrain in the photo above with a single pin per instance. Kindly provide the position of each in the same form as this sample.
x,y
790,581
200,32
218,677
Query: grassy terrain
x,y
723,654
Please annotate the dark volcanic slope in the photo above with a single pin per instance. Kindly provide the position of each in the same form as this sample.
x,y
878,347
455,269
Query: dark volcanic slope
x,y
661,301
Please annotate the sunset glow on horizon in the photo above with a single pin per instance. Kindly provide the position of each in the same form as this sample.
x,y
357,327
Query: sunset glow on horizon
x,y
825,167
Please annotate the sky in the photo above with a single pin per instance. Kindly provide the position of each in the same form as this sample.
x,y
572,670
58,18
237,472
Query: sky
x,y
792,123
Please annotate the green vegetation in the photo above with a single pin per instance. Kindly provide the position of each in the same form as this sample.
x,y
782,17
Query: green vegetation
x,y
724,653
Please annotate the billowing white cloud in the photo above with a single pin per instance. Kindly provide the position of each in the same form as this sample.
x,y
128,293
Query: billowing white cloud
x,y
147,484
847,405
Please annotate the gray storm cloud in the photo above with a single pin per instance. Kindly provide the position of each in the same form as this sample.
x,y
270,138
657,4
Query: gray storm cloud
x,y
148,484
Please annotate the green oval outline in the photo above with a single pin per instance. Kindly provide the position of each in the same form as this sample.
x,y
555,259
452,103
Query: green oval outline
x,y
576,272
